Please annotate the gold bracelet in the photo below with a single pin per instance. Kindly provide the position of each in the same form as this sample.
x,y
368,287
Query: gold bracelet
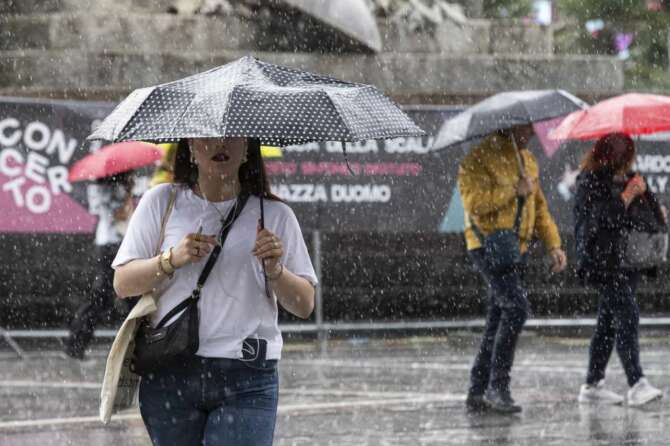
x,y
278,275
165,263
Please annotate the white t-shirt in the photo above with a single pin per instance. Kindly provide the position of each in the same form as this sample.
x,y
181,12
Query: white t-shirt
x,y
233,303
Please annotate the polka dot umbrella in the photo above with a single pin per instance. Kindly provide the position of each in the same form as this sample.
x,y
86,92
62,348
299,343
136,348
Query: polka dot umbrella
x,y
254,99
251,98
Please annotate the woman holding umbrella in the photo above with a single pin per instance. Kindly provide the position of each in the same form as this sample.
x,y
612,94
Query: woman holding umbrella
x,y
227,392
219,118
606,195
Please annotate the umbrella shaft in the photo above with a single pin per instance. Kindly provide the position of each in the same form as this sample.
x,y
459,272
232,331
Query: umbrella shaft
x,y
517,153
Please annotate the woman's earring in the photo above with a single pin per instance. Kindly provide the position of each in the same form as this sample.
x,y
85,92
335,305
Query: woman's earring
x,y
245,158
193,159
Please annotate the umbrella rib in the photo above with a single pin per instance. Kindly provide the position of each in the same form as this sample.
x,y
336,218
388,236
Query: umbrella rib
x,y
176,121
137,110
341,114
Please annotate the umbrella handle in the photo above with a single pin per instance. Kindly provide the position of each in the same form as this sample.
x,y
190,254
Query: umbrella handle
x,y
517,153
261,222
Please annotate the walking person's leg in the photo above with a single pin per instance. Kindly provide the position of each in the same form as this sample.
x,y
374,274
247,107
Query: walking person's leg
x,y
512,300
600,350
481,368
602,342
627,319
242,402
627,322
99,306
171,405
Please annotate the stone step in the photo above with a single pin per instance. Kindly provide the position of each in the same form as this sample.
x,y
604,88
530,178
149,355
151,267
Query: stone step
x,y
158,32
410,78
123,32
50,6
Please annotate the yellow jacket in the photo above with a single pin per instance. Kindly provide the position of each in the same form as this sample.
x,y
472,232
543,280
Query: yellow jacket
x,y
487,179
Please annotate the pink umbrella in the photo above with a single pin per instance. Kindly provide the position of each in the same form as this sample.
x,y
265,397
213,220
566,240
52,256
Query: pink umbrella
x,y
632,114
114,159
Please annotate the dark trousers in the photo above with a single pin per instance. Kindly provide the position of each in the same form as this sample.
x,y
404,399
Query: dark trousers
x,y
617,325
100,304
507,313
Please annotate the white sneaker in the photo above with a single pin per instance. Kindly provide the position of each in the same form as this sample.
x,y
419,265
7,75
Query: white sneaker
x,y
642,393
598,394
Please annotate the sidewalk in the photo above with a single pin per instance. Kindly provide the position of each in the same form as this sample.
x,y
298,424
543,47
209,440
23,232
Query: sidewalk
x,y
393,391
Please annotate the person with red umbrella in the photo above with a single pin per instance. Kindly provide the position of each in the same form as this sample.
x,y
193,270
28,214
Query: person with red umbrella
x,y
618,221
611,205
110,198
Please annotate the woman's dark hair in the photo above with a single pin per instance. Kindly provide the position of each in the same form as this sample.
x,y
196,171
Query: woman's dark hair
x,y
186,172
607,153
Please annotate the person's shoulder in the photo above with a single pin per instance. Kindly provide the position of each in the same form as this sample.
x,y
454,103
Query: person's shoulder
x,y
279,208
477,155
161,191
591,176
158,197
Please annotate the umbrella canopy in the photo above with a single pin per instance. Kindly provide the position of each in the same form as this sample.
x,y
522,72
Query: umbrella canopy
x,y
352,18
503,111
114,159
255,99
632,114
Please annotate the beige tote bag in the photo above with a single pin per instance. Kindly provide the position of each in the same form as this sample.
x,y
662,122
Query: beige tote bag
x,y
120,385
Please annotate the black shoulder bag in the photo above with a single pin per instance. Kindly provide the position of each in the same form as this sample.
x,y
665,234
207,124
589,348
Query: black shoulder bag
x,y
647,235
501,248
156,348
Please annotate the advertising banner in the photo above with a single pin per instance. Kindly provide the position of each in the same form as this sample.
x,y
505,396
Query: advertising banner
x,y
394,186
39,142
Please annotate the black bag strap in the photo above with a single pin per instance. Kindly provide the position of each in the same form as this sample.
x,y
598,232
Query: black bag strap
x,y
213,256
225,229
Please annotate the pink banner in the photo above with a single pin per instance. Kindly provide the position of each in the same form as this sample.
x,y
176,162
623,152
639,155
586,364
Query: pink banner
x,y
28,206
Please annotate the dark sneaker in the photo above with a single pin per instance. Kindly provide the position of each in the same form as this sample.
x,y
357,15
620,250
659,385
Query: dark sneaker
x,y
501,401
476,404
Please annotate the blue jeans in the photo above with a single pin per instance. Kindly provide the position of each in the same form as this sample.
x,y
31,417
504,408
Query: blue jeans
x,y
507,312
211,401
618,323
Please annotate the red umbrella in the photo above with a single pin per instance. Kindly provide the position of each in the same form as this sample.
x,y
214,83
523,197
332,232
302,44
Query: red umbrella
x,y
632,114
114,159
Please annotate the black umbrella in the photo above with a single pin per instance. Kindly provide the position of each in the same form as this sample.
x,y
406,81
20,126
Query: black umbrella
x,y
254,99
504,111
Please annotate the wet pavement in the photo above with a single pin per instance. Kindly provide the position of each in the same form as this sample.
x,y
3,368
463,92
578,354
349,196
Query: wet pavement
x,y
358,391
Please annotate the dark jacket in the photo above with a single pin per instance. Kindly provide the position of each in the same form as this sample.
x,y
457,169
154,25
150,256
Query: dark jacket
x,y
602,224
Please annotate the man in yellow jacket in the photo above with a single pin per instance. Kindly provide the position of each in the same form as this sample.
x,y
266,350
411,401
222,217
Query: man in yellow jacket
x,y
492,185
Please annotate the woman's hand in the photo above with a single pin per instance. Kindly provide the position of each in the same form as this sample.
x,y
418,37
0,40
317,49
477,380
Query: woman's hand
x,y
192,248
635,187
268,249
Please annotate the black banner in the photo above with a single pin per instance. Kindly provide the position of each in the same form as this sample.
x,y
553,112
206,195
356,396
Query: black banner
x,y
397,186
